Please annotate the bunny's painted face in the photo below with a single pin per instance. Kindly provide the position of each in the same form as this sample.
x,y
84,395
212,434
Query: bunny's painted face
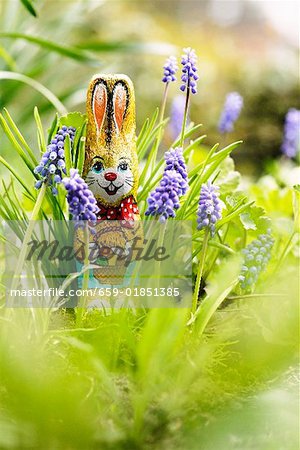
x,y
110,183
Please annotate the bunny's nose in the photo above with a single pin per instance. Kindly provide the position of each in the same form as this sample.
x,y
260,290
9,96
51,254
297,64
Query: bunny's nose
x,y
110,176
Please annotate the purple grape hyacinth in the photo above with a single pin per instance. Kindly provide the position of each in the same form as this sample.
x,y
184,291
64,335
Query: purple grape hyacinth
x,y
170,69
291,141
209,209
231,111
82,203
52,165
164,200
189,70
175,161
256,257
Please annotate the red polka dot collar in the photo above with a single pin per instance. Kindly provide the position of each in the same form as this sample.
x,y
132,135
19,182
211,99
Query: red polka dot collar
x,y
125,211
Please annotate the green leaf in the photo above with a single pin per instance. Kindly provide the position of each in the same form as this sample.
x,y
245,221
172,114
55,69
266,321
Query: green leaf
x,y
73,119
78,121
232,214
77,54
228,179
29,6
255,219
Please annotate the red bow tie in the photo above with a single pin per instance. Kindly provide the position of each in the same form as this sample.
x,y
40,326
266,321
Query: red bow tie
x,y
125,211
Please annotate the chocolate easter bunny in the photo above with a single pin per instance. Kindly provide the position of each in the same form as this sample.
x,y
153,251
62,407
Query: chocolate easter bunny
x,y
111,164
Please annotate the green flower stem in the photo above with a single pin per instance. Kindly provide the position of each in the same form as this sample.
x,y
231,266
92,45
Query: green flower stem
x,y
200,270
160,243
222,241
28,235
85,280
186,108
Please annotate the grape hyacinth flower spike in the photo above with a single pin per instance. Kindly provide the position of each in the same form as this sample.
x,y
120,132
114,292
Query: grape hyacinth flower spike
x,y
256,257
291,141
189,79
164,200
82,203
170,69
209,209
231,111
189,70
209,212
52,166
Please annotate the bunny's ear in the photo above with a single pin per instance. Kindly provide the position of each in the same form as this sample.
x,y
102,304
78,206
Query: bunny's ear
x,y
120,102
99,103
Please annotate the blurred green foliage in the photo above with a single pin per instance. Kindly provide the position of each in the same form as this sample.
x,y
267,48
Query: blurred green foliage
x,y
135,37
136,379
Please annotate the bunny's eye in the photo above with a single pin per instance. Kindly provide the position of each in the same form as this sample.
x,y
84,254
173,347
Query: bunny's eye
x,y
123,167
98,167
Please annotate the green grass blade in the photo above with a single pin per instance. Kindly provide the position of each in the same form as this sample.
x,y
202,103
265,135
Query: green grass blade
x,y
16,144
74,53
129,47
188,132
142,132
29,6
68,156
10,62
4,75
19,135
13,206
152,155
233,214
145,142
53,129
41,136
193,144
80,132
17,177
81,155
217,291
